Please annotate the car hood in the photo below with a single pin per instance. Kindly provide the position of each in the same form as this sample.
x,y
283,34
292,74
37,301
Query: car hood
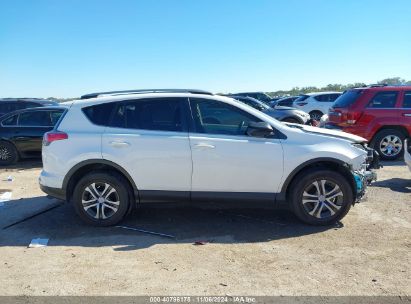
x,y
331,133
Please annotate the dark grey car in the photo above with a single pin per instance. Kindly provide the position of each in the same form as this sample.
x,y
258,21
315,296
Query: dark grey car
x,y
285,114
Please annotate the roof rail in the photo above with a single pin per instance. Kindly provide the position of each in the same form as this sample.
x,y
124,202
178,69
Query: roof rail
x,y
376,85
94,95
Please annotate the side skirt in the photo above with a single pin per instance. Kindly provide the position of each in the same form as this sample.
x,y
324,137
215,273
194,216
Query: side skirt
x,y
149,196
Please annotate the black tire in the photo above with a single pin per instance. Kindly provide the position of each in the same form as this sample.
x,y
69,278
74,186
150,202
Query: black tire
x,y
8,153
291,120
305,180
381,136
316,115
121,194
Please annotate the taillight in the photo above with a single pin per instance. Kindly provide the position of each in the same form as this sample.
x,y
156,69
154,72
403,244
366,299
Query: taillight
x,y
351,117
51,136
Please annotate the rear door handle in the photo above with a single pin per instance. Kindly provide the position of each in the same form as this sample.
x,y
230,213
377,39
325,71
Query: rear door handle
x,y
119,144
203,145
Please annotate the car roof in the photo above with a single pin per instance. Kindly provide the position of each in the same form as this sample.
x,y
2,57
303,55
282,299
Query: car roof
x,y
322,93
144,91
131,96
384,87
36,100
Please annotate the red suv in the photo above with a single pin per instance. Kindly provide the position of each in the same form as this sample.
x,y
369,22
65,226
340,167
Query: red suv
x,y
380,113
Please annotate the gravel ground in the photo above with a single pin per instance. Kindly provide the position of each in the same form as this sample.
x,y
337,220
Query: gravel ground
x,y
248,251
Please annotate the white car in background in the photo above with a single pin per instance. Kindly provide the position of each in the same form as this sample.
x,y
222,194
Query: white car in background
x,y
316,104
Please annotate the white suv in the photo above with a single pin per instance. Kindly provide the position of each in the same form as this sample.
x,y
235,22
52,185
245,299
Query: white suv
x,y
113,151
316,104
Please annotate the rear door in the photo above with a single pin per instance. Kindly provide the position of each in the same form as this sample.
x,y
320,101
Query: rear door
x,y
382,109
405,110
226,162
149,139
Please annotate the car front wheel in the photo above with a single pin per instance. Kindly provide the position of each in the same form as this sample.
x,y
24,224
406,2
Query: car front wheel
x,y
321,196
101,198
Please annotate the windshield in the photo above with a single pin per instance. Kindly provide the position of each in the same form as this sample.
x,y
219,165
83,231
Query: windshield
x,y
347,98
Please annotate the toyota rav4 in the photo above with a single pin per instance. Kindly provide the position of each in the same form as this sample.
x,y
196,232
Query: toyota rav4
x,y
115,150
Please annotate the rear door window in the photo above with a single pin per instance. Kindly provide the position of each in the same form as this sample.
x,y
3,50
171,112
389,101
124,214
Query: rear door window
x,y
34,119
157,114
384,100
407,100
327,97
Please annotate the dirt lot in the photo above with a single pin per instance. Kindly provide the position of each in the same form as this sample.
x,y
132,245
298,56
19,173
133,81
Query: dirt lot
x,y
251,251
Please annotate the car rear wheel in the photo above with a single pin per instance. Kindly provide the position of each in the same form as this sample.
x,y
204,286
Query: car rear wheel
x,y
316,115
321,196
389,144
8,153
101,198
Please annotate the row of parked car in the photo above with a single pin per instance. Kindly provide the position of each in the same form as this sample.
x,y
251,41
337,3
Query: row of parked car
x,y
379,113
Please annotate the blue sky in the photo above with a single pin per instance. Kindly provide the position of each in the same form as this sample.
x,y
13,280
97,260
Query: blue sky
x,y
71,47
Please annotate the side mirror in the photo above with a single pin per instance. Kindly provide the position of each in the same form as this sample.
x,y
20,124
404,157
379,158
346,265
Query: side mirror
x,y
260,129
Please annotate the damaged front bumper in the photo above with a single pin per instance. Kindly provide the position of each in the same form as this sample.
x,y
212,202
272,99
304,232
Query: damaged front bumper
x,y
364,177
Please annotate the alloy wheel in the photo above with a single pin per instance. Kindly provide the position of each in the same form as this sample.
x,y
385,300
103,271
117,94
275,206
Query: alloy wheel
x,y
4,153
100,200
322,199
391,145
316,116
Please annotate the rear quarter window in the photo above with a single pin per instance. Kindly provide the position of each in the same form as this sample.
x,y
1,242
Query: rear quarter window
x,y
11,121
99,114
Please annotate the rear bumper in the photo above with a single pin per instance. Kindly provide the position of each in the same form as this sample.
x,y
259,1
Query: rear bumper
x,y
54,192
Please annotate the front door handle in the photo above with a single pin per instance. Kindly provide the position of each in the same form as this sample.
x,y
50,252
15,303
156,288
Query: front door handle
x,y
203,145
119,144
407,114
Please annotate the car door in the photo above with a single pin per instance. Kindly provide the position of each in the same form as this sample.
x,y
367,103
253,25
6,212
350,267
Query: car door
x,y
28,134
405,110
149,139
226,162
